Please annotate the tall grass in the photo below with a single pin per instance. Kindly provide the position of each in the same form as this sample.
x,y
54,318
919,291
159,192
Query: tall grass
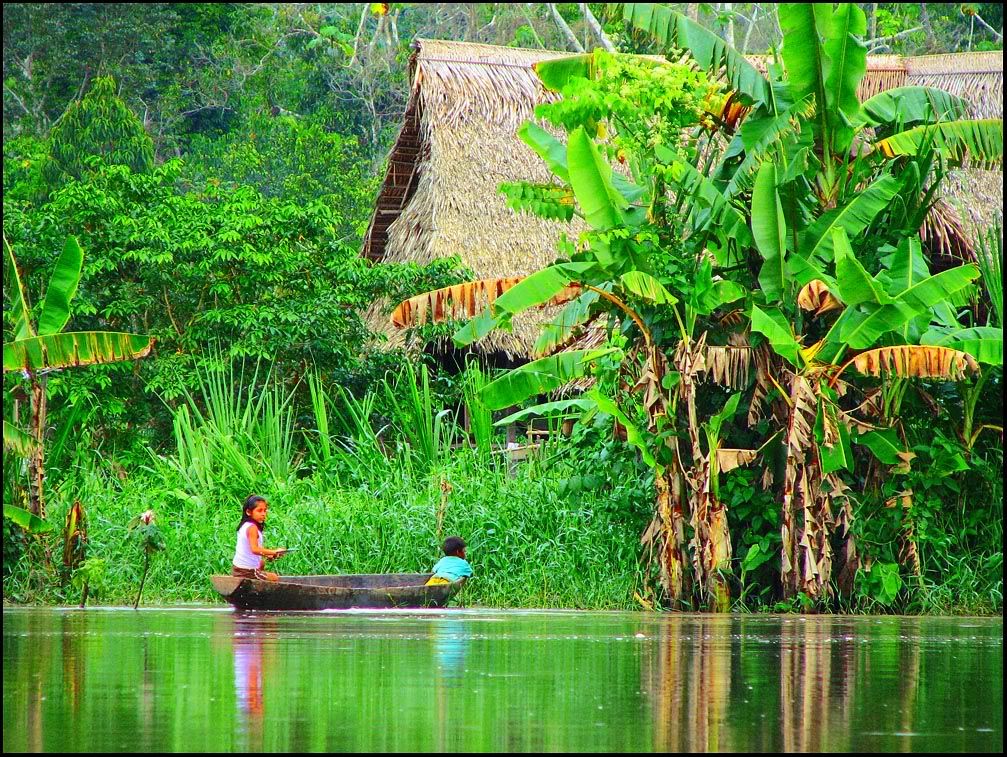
x,y
237,428
529,546
480,417
427,430
368,484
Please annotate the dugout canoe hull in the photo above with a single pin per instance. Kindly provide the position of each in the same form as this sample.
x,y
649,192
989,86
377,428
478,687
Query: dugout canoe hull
x,y
377,591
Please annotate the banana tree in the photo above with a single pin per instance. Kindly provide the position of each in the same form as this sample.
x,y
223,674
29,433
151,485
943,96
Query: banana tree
x,y
616,272
805,115
814,168
36,350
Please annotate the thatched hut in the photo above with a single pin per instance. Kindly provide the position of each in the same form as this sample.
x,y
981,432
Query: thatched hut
x,y
459,142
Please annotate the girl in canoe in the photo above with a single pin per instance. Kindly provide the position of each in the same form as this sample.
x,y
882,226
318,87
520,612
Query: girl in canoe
x,y
250,552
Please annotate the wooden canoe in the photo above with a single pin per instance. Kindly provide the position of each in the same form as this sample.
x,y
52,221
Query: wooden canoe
x,y
380,591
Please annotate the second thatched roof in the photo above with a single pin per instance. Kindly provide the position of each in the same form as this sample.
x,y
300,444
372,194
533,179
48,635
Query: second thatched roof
x,y
459,142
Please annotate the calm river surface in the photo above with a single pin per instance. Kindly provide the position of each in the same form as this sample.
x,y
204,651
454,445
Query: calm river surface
x,y
200,679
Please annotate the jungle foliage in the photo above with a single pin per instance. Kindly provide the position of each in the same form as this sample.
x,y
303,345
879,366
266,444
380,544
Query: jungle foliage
x,y
801,290
795,405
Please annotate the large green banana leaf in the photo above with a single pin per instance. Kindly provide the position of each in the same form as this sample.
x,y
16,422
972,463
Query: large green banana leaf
x,y
952,285
845,66
982,140
855,284
804,26
558,72
547,147
708,207
591,179
770,233
646,287
28,521
74,348
861,327
984,343
672,29
62,287
758,135
17,441
560,328
908,266
554,153
559,407
21,310
480,326
539,376
773,325
540,287
853,218
908,105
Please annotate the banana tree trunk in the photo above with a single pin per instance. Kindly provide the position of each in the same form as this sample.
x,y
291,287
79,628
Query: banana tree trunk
x,y
807,523
711,540
672,530
36,461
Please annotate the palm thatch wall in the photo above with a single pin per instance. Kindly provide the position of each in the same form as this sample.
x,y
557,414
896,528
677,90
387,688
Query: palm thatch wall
x,y
973,196
459,142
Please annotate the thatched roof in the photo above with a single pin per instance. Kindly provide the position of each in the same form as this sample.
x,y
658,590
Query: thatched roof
x,y
975,195
459,142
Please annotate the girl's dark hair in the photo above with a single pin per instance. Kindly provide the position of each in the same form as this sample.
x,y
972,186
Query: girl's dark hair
x,y
453,545
250,504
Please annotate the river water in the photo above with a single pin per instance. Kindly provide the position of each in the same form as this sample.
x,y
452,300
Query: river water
x,y
210,679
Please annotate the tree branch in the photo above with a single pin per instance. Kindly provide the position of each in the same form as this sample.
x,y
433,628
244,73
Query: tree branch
x,y
892,37
360,31
531,25
19,100
977,17
592,22
565,28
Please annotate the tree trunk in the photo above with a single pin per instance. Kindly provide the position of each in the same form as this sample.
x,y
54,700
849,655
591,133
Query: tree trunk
x,y
36,461
671,524
365,10
595,27
711,539
928,28
751,27
565,28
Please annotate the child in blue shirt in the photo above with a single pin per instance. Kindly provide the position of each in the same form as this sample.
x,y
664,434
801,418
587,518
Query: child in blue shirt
x,y
453,566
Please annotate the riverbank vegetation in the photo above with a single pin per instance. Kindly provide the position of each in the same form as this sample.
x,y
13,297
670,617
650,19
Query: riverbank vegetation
x,y
793,400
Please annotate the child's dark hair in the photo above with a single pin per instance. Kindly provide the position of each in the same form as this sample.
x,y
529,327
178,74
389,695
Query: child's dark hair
x,y
453,545
249,504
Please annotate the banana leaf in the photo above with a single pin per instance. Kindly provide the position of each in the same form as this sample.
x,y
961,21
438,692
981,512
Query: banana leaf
x,y
62,287
674,30
539,376
74,348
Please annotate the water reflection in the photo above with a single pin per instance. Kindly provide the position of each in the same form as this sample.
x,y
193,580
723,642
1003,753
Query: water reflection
x,y
249,637
689,682
450,645
111,680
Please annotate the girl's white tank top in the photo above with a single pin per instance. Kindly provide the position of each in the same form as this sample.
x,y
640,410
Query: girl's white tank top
x,y
243,555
